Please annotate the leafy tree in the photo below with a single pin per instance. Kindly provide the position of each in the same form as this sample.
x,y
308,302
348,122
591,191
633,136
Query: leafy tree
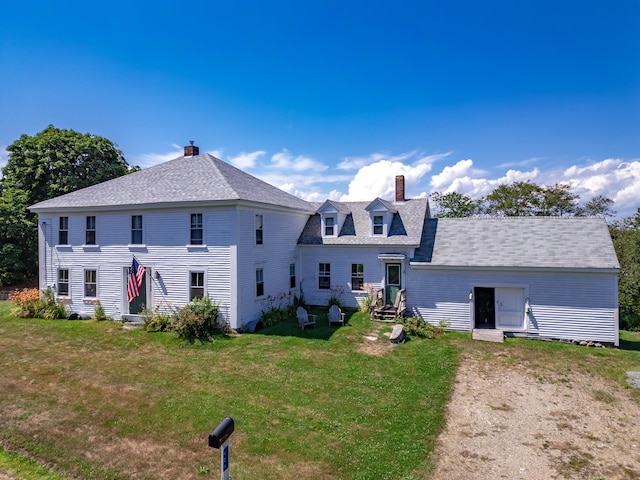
x,y
514,200
597,206
454,205
51,163
556,200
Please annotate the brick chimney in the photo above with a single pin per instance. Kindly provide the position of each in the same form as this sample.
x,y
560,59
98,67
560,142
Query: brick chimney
x,y
399,188
191,150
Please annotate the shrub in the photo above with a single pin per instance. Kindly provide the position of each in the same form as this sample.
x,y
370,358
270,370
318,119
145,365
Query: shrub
x,y
629,321
278,308
335,297
198,320
416,327
30,303
98,313
156,321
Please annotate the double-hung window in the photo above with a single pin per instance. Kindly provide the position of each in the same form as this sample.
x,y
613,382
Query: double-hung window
x,y
196,229
91,283
329,226
357,276
196,285
292,275
259,231
91,230
324,276
136,229
63,231
259,282
63,282
378,224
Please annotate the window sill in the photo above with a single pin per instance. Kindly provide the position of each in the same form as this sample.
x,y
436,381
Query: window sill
x,y
196,247
91,247
137,247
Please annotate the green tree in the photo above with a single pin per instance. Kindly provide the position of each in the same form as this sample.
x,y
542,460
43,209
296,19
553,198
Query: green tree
x,y
520,199
454,205
597,206
51,163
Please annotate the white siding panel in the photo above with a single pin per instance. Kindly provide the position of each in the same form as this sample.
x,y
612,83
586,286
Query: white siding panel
x,y
563,305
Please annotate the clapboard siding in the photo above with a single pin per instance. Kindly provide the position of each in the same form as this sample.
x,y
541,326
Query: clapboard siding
x,y
278,250
165,250
341,259
564,305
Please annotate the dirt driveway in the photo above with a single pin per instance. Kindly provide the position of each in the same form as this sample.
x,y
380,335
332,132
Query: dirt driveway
x,y
505,420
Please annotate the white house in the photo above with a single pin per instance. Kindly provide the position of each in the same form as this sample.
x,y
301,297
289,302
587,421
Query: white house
x,y
200,226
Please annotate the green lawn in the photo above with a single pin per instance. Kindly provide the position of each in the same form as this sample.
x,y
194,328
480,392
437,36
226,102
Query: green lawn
x,y
96,401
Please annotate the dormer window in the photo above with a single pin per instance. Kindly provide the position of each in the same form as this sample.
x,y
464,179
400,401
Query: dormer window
x,y
378,224
329,226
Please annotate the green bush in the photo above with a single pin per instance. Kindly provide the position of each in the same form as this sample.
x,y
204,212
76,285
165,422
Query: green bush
x,y
630,322
156,321
279,308
30,303
198,320
99,314
417,327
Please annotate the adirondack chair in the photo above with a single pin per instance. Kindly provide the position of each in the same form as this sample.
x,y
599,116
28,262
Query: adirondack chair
x,y
305,319
392,312
335,315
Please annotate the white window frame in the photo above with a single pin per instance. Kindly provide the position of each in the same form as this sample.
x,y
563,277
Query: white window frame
x,y
324,272
203,287
137,230
196,227
85,283
259,282
259,229
358,276
63,227
59,282
382,225
330,222
292,275
91,229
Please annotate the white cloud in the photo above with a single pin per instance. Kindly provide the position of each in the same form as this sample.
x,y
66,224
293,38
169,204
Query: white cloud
x,y
149,159
378,179
285,161
246,160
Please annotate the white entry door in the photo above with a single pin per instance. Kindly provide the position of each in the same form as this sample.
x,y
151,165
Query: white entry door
x,y
509,308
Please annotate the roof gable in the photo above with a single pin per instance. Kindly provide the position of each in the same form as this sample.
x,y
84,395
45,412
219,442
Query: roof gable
x,y
380,205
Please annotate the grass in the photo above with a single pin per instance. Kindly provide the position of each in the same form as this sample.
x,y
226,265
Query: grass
x,y
92,400
23,468
96,401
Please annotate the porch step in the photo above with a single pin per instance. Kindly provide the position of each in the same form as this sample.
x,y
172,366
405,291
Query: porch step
x,y
488,335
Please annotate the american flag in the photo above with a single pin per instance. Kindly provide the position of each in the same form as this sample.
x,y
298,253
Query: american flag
x,y
134,280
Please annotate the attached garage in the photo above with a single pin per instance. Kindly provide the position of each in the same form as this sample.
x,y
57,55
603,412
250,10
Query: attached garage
x,y
548,277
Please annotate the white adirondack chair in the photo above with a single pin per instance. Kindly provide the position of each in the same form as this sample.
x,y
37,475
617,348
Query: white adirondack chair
x,y
335,315
305,319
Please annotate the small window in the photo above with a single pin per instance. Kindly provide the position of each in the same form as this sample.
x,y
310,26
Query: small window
x,y
63,231
329,226
258,229
136,229
292,275
324,276
63,282
90,283
357,276
196,285
378,224
259,282
196,229
91,230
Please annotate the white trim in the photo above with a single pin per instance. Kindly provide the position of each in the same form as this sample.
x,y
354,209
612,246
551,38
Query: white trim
x,y
391,257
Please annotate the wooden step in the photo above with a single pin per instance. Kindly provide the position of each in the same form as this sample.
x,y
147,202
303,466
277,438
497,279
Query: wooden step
x,y
488,335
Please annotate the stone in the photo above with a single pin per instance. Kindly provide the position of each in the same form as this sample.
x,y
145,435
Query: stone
x,y
398,334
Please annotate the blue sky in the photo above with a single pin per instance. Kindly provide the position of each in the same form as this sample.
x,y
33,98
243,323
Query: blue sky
x,y
332,99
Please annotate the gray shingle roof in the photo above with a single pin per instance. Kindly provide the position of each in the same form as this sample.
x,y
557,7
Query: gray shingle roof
x,y
405,228
201,178
538,242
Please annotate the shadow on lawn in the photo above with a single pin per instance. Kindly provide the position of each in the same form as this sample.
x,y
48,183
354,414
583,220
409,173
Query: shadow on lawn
x,y
631,342
290,328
